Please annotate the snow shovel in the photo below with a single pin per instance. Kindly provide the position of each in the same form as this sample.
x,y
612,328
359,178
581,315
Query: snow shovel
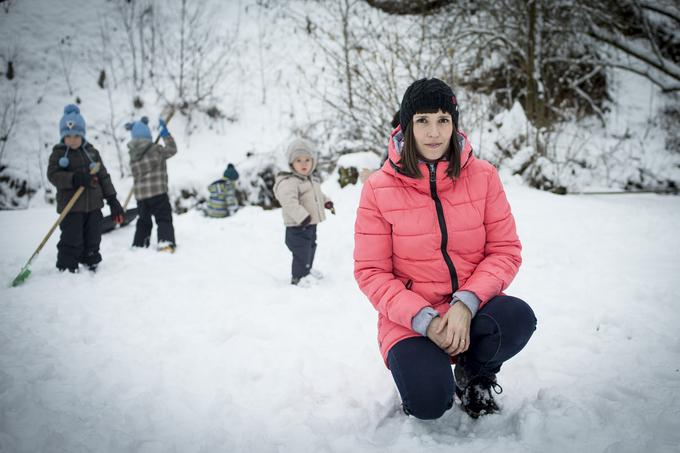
x,y
129,214
26,270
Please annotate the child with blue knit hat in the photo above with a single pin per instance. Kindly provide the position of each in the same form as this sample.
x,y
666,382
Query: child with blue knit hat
x,y
150,173
70,167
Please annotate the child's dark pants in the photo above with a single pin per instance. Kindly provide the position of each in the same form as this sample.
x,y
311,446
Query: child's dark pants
x,y
158,207
81,234
422,371
301,240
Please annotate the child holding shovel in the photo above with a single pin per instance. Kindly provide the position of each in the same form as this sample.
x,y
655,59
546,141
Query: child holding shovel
x,y
70,167
150,173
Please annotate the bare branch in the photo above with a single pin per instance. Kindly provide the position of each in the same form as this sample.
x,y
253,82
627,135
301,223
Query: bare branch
x,y
495,36
665,66
675,15
648,31
615,64
409,7
9,109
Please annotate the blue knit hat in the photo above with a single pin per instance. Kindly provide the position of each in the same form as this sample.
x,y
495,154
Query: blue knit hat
x,y
72,123
230,173
139,129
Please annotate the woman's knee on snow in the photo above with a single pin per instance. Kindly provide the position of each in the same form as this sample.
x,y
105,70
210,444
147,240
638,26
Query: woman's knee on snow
x,y
428,403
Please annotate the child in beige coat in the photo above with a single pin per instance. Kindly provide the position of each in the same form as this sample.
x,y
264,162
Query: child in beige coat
x,y
302,203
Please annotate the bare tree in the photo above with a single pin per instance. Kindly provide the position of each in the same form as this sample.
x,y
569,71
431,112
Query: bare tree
x,y
136,20
642,35
409,7
138,39
640,31
64,50
106,62
9,109
373,60
261,30
333,34
194,54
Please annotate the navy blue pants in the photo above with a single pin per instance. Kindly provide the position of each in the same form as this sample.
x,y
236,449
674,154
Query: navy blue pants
x,y
301,241
81,234
159,207
422,371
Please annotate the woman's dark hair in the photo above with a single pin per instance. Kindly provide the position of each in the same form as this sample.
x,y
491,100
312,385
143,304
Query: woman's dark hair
x,y
395,120
408,164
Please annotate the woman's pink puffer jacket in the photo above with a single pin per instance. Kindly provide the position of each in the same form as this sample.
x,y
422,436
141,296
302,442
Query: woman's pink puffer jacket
x,y
399,259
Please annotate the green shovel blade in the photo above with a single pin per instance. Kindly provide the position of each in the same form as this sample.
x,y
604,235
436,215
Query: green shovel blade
x,y
23,275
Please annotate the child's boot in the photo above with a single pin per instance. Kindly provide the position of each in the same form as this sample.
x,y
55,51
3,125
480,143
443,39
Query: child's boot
x,y
316,274
166,247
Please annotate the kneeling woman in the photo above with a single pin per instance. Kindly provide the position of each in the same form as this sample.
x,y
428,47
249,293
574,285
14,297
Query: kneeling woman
x,y
435,246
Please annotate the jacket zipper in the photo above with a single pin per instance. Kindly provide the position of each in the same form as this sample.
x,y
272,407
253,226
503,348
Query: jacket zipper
x,y
442,226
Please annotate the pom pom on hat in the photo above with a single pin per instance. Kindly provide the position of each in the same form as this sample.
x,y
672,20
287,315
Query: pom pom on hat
x,y
230,173
139,129
71,108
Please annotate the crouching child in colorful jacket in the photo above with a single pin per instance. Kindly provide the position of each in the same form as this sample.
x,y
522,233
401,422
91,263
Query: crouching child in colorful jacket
x,y
302,203
150,173
223,201
70,167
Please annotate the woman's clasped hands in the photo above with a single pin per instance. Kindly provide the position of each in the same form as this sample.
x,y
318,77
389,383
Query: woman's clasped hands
x,y
451,332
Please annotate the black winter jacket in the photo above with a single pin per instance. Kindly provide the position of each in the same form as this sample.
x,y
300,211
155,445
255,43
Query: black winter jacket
x,y
62,178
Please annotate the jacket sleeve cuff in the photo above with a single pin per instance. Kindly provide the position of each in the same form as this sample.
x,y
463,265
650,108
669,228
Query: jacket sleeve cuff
x,y
421,321
469,299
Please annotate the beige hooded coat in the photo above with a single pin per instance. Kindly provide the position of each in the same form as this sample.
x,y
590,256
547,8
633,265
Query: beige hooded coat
x,y
300,196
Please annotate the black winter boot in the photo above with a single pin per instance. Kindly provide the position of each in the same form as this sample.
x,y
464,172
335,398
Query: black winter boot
x,y
476,393
73,270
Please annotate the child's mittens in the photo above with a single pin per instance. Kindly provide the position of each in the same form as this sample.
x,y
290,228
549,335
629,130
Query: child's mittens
x,y
163,129
306,221
330,205
117,211
83,179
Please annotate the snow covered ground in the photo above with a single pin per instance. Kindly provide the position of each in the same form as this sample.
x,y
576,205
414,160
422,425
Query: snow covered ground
x,y
211,349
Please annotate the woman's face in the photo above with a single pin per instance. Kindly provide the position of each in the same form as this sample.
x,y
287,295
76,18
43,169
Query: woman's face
x,y
303,165
73,141
432,132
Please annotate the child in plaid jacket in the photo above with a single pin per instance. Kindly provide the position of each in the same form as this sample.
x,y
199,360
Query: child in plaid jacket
x,y
150,173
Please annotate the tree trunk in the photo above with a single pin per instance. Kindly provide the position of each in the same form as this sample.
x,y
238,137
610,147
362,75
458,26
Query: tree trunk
x,y
531,81
345,45
182,42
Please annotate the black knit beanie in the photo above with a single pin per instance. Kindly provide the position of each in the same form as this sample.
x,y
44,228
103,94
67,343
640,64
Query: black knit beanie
x,y
427,94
